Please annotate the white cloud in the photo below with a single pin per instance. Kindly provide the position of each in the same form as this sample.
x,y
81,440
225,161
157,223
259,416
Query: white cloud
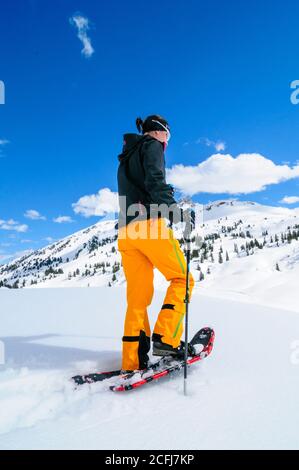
x,y
219,145
82,25
49,239
102,203
3,142
13,225
247,173
290,200
63,219
34,215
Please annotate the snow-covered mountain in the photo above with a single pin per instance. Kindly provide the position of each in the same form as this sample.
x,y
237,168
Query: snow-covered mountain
x,y
248,248
86,258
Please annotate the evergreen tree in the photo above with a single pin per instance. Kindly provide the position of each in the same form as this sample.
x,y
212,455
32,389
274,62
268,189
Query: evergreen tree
x,y
277,267
115,267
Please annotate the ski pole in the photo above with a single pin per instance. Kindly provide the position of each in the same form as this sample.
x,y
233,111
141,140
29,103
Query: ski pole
x,y
186,315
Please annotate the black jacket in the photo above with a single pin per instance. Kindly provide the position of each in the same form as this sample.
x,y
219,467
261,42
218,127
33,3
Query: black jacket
x,y
141,178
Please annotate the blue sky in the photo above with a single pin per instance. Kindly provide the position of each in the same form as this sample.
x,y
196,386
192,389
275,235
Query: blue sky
x,y
220,73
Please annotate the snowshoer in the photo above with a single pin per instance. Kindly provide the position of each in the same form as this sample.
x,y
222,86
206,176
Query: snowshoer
x,y
147,242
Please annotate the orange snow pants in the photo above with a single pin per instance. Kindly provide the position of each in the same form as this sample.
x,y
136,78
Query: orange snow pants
x,y
145,245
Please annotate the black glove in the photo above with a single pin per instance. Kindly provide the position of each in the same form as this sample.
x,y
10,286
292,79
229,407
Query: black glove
x,y
188,216
180,215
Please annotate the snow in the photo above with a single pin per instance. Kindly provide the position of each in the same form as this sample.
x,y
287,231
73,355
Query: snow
x,y
255,279
244,396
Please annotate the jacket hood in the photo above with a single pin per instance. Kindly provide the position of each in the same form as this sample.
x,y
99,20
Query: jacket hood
x,y
130,143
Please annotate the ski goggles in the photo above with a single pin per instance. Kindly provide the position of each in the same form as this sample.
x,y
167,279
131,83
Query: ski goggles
x,y
165,128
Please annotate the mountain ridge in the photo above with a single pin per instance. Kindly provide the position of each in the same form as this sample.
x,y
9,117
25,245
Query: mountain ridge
x,y
239,236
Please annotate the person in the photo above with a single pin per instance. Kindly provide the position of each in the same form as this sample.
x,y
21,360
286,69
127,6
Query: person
x,y
147,242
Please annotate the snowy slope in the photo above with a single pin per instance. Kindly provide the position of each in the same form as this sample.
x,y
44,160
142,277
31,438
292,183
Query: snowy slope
x,y
244,396
254,278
